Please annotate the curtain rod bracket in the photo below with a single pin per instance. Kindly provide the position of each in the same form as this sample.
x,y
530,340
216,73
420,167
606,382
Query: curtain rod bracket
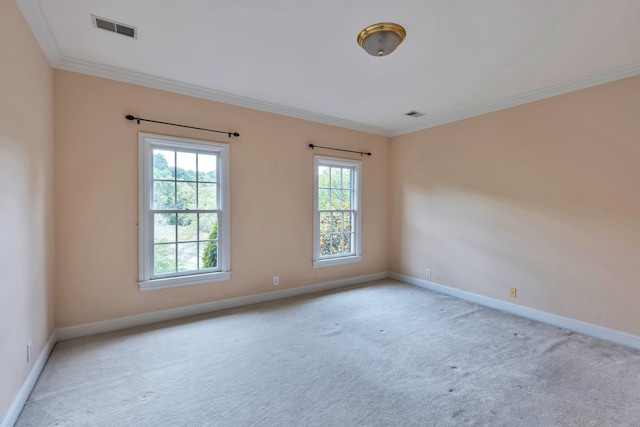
x,y
139,119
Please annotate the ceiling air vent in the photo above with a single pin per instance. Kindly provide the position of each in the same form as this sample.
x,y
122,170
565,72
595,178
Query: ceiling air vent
x,y
114,27
414,113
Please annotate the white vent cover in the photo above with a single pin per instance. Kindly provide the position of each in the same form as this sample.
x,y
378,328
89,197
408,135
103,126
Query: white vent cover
x,y
114,27
414,113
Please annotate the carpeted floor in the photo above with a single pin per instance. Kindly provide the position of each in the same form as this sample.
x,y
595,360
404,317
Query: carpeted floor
x,y
386,354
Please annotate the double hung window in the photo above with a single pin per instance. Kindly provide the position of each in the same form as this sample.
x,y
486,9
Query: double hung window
x,y
183,211
337,211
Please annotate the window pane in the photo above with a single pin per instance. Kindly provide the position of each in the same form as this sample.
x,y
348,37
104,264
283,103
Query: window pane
x,y
323,177
187,227
346,178
186,166
342,244
207,167
325,244
335,177
208,254
187,256
207,196
325,222
186,195
164,228
336,199
164,259
336,222
346,199
323,199
164,164
208,226
163,195
336,244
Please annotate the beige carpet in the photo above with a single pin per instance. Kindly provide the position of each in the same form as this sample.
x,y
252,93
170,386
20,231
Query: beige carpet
x,y
386,354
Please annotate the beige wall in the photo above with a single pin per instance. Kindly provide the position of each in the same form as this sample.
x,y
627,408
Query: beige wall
x,y
271,197
543,197
26,207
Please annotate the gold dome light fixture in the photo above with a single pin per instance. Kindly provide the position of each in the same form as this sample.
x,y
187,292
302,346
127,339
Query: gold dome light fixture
x,y
381,39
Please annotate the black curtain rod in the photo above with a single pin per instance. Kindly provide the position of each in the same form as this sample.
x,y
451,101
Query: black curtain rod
x,y
138,119
362,153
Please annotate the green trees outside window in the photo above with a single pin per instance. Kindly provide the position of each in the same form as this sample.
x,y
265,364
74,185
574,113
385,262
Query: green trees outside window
x,y
335,206
184,203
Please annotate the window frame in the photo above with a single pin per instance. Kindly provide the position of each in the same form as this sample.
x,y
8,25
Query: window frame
x,y
356,256
146,143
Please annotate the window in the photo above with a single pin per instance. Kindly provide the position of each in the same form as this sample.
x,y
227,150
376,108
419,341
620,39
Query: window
x,y
183,211
337,211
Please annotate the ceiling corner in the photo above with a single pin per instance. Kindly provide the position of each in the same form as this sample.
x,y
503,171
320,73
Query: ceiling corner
x,y
34,15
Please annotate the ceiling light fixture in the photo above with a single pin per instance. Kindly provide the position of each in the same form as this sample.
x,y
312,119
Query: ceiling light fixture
x,y
381,39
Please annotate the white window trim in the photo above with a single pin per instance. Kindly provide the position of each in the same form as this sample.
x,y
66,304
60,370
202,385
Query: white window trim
x,y
146,142
319,262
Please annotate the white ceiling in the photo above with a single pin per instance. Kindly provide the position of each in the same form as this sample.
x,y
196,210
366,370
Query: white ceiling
x,y
300,58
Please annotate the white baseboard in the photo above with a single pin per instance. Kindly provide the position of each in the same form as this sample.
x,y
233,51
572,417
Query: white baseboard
x,y
192,310
70,332
590,329
20,400
62,334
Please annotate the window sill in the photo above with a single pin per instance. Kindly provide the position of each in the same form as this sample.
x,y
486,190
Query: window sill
x,y
336,261
173,282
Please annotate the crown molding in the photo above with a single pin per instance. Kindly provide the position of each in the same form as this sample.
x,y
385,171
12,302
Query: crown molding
x,y
154,82
39,26
629,70
147,80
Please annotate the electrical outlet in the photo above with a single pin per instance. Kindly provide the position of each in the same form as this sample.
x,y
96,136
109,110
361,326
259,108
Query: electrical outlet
x,y
512,292
427,272
276,280
29,352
